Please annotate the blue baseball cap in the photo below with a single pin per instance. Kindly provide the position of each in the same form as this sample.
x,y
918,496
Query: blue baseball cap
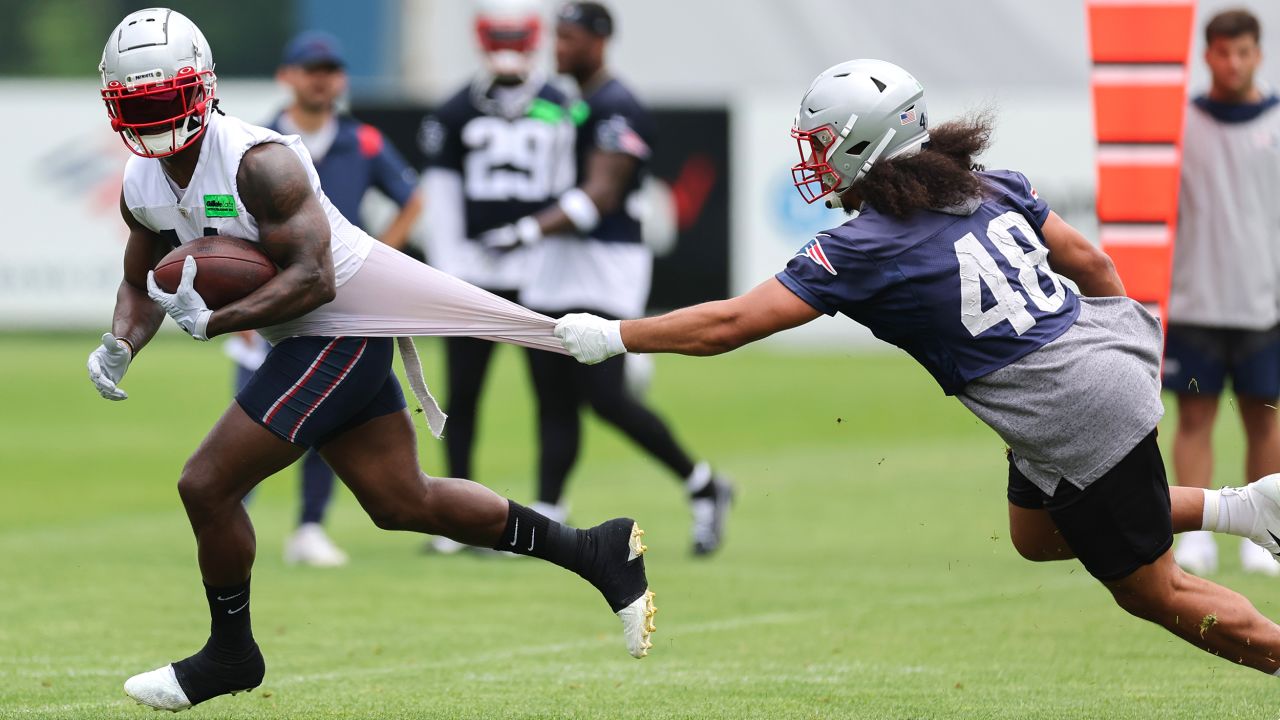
x,y
314,47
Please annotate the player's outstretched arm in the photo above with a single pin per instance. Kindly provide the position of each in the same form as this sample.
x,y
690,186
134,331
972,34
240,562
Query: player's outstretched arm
x,y
293,231
1072,255
707,329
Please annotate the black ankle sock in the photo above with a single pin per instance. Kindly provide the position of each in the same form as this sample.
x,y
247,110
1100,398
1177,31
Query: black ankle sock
x,y
230,661
528,533
230,635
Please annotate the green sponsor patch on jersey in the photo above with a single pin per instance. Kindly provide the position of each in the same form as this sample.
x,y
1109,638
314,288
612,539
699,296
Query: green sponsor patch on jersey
x,y
547,111
220,206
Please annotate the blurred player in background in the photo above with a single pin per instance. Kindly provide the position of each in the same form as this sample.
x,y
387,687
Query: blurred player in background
x,y
603,268
496,151
350,157
960,268
1224,301
199,172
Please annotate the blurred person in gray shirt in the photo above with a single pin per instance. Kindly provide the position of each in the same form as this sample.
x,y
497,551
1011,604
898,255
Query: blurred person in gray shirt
x,y
1224,304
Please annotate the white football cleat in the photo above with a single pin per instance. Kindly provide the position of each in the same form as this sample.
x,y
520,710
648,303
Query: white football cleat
x,y
709,513
158,689
310,545
1255,559
1197,552
1264,494
637,624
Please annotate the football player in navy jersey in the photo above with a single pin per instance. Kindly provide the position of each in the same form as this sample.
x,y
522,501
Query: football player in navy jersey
x,y
497,150
197,172
964,270
588,256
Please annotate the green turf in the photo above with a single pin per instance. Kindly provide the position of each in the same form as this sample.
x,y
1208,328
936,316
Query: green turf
x,y
868,571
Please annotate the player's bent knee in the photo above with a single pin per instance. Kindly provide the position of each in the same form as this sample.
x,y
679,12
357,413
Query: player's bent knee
x,y
196,486
1147,597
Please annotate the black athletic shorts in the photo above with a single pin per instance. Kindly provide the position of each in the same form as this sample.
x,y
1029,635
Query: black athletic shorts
x,y
311,389
1117,524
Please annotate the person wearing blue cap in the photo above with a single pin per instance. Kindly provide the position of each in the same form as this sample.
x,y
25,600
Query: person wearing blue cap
x,y
351,157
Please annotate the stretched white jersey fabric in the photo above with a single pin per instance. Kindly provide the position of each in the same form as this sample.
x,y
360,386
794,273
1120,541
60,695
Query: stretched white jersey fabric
x,y
381,292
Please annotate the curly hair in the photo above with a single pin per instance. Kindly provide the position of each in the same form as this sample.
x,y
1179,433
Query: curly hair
x,y
940,175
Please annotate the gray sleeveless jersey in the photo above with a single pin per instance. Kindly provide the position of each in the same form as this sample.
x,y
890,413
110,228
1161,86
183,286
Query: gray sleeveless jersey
x,y
1074,408
1226,260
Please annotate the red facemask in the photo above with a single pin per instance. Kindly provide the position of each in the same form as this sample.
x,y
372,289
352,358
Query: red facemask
x,y
155,119
813,176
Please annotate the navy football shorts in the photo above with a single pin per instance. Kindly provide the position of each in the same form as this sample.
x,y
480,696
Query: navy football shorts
x,y
1117,524
1197,360
311,389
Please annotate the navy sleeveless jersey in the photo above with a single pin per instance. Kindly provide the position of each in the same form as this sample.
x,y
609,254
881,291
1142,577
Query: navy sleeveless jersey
x,y
965,295
616,123
511,167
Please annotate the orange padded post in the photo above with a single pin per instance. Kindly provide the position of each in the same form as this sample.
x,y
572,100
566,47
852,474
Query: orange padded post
x,y
1140,32
1139,50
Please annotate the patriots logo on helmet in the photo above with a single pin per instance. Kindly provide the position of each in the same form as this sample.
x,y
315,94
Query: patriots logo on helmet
x,y
813,251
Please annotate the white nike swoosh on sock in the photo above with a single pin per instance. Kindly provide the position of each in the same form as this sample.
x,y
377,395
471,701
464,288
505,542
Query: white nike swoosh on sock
x,y
532,535
515,533
231,597
233,612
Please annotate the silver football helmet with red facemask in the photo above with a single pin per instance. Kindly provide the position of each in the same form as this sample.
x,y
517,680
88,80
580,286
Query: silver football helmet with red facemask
x,y
508,32
157,81
853,115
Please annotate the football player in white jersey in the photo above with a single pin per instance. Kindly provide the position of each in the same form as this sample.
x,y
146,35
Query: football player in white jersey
x,y
198,173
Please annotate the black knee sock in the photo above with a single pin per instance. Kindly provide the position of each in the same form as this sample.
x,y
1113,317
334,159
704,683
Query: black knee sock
x,y
528,533
230,660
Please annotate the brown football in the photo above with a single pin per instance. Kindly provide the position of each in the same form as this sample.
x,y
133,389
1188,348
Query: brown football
x,y
227,268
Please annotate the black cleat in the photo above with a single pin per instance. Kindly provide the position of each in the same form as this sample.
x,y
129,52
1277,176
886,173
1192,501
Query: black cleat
x,y
616,569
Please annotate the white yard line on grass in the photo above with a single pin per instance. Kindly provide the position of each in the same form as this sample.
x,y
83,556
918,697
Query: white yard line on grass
x,y
549,649
451,662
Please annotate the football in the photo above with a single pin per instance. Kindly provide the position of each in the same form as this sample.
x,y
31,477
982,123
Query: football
x,y
227,268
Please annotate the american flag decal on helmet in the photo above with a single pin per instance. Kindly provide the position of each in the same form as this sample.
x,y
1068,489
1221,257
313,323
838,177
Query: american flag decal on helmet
x,y
814,252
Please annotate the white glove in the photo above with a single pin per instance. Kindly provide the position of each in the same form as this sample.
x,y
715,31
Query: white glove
x,y
107,365
590,339
524,231
185,306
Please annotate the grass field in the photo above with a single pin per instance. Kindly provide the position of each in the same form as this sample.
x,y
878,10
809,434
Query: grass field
x,y
868,571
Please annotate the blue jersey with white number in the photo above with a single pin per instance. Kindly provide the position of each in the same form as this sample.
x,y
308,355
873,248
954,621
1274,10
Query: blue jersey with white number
x,y
963,294
510,166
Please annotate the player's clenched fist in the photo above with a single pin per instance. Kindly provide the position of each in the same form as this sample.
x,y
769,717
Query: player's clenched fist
x,y
107,365
590,339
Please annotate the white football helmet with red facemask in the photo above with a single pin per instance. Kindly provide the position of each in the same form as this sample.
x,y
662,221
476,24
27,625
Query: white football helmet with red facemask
x,y
157,81
854,114
508,32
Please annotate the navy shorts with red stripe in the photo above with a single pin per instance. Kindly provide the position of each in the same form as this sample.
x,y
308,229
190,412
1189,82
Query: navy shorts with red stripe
x,y
311,389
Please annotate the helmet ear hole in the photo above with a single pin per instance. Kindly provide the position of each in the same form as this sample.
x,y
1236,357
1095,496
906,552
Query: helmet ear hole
x,y
859,148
